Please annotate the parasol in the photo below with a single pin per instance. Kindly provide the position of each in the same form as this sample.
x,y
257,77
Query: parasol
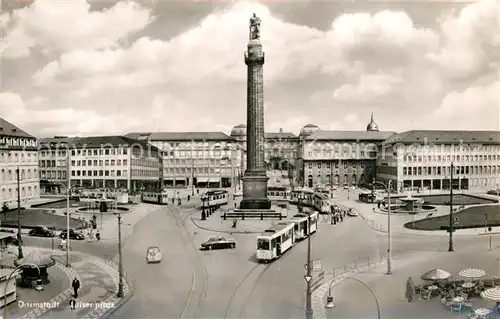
x,y
491,294
436,274
472,273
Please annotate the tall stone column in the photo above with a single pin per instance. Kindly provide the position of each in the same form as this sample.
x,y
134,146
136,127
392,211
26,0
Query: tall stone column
x,y
255,178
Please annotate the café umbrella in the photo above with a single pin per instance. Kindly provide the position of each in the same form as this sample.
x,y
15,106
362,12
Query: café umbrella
x,y
492,294
436,274
472,273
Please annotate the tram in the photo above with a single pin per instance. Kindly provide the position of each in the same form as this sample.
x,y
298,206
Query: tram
x,y
160,198
322,203
214,198
306,197
278,193
275,241
301,224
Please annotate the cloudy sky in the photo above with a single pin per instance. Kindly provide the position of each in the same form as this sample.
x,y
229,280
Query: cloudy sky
x,y
100,67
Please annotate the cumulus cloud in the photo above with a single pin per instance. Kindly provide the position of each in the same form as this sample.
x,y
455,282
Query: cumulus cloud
x,y
475,108
69,25
381,62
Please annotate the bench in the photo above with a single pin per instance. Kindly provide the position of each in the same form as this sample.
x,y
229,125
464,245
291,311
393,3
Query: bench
x,y
253,215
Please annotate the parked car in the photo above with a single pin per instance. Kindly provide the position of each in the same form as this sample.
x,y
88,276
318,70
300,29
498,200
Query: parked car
x,y
41,231
493,192
352,213
72,235
219,243
153,255
346,187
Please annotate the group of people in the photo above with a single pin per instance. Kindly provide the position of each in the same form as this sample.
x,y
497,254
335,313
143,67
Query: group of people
x,y
337,215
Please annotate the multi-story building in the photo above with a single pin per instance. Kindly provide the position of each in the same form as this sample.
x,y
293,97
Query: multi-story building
x,y
196,159
339,157
116,162
18,150
52,163
281,148
422,160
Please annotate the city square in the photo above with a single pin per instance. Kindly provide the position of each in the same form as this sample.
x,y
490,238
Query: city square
x,y
130,190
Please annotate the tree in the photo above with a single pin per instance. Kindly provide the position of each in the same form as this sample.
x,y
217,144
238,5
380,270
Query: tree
x,y
5,210
410,289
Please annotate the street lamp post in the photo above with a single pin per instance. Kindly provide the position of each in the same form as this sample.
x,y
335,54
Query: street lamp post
x,y
120,259
309,311
450,243
330,298
389,237
192,168
203,214
19,237
67,209
7,285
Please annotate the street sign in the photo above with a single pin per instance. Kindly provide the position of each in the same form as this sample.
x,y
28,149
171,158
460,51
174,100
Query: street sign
x,y
307,278
456,221
316,264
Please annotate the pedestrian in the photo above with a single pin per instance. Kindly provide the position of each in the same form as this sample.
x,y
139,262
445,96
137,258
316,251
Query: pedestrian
x,y
98,235
189,198
76,285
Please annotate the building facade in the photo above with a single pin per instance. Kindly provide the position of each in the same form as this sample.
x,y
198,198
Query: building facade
x,y
114,162
196,159
338,158
422,160
18,150
52,164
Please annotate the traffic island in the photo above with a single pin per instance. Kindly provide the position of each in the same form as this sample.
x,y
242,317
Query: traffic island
x,y
29,218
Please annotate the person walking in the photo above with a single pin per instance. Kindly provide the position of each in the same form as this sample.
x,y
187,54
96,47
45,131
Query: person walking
x,y
98,236
75,285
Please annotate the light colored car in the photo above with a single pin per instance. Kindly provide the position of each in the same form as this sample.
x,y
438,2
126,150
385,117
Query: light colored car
x,y
352,212
153,255
346,187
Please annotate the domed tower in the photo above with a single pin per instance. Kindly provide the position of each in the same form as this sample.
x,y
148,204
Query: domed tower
x,y
308,130
239,132
372,126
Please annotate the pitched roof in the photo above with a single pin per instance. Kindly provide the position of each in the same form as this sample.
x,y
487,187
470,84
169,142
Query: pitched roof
x,y
349,135
57,141
279,135
189,136
109,141
9,129
445,137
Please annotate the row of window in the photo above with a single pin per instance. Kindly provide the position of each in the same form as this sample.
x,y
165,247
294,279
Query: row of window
x,y
289,155
329,166
144,162
10,174
146,173
61,175
197,162
52,163
168,146
198,154
197,170
18,156
11,193
100,151
458,148
76,173
449,158
345,154
446,170
51,153
107,162
17,141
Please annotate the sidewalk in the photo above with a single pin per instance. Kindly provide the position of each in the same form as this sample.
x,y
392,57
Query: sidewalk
x,y
97,293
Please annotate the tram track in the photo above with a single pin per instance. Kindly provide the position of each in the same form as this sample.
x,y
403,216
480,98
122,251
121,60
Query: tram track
x,y
239,298
199,274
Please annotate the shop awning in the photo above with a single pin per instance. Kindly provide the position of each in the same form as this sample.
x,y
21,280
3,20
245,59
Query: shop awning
x,y
202,179
214,179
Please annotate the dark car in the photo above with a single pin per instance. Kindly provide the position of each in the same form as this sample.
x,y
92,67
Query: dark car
x,y
218,243
494,192
41,231
72,235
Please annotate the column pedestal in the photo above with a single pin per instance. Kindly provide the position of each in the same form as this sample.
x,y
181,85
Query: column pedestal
x,y
255,191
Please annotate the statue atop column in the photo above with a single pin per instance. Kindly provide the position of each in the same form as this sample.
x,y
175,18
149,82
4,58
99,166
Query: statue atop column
x,y
254,27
